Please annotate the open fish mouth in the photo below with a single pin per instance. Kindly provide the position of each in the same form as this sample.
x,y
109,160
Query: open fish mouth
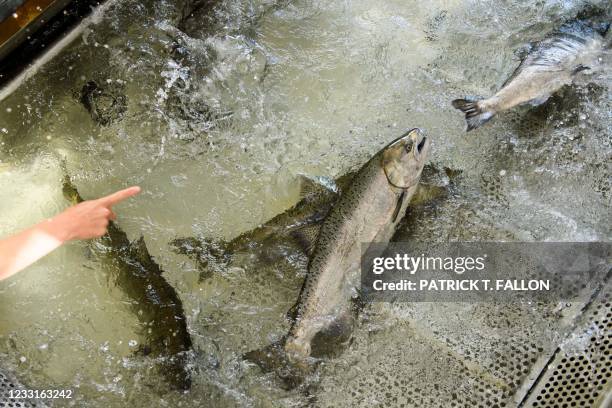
x,y
414,134
415,137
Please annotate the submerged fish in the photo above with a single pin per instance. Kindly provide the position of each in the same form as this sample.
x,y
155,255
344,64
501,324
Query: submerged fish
x,y
154,301
549,65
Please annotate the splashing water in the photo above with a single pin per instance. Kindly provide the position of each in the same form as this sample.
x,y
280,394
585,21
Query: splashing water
x,y
227,103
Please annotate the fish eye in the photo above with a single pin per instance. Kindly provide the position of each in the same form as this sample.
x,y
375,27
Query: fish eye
x,y
408,147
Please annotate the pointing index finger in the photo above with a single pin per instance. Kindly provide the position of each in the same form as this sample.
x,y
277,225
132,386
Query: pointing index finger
x,y
119,196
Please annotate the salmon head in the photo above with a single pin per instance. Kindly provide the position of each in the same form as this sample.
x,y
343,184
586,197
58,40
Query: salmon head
x,y
403,159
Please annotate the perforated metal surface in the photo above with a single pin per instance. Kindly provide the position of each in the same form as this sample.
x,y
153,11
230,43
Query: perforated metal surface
x,y
578,374
443,355
7,384
485,355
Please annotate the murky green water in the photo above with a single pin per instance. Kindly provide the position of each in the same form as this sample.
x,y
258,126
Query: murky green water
x,y
224,110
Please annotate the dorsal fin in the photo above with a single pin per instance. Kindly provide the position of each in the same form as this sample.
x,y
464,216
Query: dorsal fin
x,y
292,313
344,181
315,186
306,236
139,251
521,53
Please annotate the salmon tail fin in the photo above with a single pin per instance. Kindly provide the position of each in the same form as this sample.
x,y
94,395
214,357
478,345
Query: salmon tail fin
x,y
273,358
475,115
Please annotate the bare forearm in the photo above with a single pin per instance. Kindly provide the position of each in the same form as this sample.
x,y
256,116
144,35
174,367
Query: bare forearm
x,y
23,249
86,220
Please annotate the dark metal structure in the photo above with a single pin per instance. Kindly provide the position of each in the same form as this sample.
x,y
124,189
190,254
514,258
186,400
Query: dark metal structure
x,y
32,32
20,19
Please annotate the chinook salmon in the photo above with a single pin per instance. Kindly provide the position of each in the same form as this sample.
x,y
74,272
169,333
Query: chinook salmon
x,y
154,301
548,65
369,210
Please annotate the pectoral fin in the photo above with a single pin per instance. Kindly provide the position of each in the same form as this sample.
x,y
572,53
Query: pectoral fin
x,y
398,206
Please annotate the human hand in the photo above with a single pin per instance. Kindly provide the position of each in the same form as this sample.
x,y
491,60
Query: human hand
x,y
88,219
